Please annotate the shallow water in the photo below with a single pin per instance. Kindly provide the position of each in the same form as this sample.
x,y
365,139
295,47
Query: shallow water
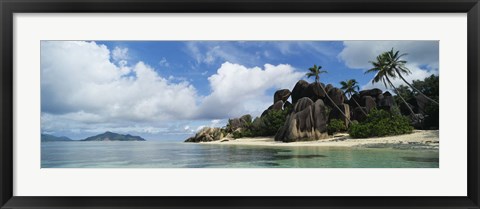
x,y
154,154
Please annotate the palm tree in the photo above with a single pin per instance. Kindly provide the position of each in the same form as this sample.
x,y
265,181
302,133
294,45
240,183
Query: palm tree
x,y
350,87
315,72
395,63
383,72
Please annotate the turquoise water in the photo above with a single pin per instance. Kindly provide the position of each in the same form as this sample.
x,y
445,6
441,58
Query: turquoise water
x,y
152,154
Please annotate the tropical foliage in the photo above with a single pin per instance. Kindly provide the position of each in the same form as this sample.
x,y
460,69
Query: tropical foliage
x,y
381,123
269,124
349,88
335,126
430,87
383,72
266,125
398,65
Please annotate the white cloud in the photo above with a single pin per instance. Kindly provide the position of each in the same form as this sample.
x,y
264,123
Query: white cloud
x,y
81,84
83,91
422,57
238,90
357,54
119,54
164,62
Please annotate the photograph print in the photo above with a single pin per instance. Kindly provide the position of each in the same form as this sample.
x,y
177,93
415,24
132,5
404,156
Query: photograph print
x,y
239,104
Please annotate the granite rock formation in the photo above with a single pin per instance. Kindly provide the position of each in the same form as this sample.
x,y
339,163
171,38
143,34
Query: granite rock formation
x,y
307,121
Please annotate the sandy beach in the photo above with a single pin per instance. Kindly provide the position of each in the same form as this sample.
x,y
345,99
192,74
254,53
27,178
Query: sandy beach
x,y
419,139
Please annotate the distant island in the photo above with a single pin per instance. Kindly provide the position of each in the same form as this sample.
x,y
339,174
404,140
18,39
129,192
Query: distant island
x,y
52,138
110,136
107,136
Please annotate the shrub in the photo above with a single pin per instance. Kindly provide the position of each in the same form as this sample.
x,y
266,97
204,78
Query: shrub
x,y
432,111
266,125
381,123
336,125
243,133
269,124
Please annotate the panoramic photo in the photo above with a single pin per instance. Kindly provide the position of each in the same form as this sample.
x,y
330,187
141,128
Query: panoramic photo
x,y
239,104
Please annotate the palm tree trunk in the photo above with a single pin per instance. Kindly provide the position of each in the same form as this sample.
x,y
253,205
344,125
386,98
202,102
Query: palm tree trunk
x,y
415,89
358,105
408,105
331,100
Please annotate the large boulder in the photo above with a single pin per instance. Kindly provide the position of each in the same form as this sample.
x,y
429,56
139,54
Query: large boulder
x,y
282,95
236,123
314,91
278,105
379,98
421,103
298,91
308,121
386,103
368,102
371,92
336,114
206,134
358,114
328,87
336,95
354,99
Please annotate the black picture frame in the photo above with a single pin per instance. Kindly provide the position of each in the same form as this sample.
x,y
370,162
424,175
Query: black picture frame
x,y
9,7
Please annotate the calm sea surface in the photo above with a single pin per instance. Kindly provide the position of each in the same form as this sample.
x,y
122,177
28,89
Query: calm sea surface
x,y
152,154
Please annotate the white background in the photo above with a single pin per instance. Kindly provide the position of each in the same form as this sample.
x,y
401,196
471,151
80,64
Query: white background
x,y
448,180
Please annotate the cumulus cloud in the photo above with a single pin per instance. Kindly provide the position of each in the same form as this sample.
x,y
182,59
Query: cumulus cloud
x,y
81,84
82,90
119,54
237,89
422,57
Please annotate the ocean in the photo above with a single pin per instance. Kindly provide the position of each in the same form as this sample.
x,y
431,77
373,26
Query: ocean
x,y
157,154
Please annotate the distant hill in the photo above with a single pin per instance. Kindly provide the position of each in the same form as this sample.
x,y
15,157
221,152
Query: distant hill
x,y
52,138
110,136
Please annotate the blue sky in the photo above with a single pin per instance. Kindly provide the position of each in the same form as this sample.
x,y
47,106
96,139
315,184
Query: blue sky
x,y
166,90
177,59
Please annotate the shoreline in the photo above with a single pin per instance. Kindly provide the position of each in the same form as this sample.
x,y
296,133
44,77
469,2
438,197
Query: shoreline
x,y
418,139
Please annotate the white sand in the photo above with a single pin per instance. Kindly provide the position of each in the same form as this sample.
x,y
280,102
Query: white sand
x,y
425,138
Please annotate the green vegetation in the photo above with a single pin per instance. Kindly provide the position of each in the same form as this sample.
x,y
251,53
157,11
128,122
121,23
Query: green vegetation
x,y
398,65
51,138
267,125
389,65
350,87
335,126
381,123
384,71
243,133
110,136
430,87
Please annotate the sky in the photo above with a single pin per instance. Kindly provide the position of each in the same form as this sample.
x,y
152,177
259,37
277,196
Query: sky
x,y
168,90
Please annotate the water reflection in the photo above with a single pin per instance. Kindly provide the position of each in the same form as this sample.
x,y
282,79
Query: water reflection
x,y
181,155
